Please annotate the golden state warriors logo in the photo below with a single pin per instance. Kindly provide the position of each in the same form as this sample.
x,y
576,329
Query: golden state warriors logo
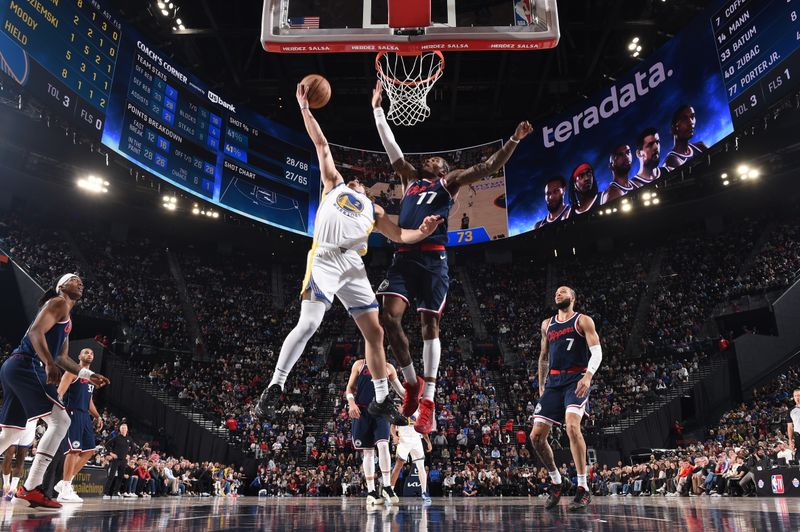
x,y
349,204
13,60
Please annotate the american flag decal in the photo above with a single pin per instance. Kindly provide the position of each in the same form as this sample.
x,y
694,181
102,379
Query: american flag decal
x,y
306,23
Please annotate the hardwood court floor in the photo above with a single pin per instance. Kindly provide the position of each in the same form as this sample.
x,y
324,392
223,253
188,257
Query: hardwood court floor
x,y
337,514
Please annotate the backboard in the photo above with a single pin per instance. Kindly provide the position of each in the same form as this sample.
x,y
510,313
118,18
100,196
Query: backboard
x,y
325,26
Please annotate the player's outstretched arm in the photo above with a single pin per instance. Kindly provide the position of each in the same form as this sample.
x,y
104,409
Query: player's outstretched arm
x,y
393,232
406,171
330,175
544,358
459,178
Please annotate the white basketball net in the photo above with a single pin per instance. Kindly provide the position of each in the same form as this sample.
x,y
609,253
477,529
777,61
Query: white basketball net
x,y
407,80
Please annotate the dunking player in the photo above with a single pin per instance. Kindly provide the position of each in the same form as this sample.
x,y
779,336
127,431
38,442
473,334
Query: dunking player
x,y
409,443
418,274
80,443
684,121
569,358
29,377
370,431
17,453
345,218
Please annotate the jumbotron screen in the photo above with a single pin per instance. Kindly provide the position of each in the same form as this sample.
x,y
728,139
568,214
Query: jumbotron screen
x,y
84,63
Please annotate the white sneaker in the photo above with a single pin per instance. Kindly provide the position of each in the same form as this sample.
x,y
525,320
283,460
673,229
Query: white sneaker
x,y
69,495
106,497
59,486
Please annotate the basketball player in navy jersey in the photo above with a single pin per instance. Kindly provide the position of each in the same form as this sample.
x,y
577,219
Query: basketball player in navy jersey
x,y
683,123
370,431
418,274
648,150
80,443
583,193
557,210
570,356
29,378
620,162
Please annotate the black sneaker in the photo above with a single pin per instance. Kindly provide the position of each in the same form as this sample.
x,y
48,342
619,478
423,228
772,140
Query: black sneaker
x,y
265,407
387,410
581,500
374,498
390,496
555,491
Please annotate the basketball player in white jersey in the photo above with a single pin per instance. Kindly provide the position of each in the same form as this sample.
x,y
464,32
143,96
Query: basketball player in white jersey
x,y
409,443
683,123
345,219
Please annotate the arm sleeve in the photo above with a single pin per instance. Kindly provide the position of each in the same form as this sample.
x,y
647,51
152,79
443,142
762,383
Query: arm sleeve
x,y
387,137
596,358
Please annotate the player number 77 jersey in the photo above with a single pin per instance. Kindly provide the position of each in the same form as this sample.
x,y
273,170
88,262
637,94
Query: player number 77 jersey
x,y
425,198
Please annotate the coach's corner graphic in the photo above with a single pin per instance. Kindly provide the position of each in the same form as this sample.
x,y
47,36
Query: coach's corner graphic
x,y
349,204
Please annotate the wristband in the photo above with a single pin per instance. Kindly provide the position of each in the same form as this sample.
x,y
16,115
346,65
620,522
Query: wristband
x,y
85,373
351,396
512,139
378,112
303,107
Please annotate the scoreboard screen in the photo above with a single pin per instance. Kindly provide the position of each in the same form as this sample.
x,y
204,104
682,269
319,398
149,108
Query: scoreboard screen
x,y
80,60
757,45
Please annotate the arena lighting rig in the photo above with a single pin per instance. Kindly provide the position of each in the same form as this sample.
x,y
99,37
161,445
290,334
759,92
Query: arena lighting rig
x,y
93,184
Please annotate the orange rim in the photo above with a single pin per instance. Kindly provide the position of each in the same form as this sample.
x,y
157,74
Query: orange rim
x,y
411,83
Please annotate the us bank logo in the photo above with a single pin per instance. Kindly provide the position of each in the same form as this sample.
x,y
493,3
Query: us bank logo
x,y
349,204
13,60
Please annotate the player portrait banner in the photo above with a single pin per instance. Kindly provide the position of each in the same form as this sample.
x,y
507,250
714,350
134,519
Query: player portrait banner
x,y
681,79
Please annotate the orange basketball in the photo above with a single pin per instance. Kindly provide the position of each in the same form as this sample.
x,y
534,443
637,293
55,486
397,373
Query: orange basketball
x,y
319,90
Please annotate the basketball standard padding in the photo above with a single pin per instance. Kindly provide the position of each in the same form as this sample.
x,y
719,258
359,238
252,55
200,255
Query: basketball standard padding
x,y
318,90
409,13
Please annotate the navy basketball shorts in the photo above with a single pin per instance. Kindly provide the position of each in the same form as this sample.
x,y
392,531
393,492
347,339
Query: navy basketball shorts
x,y
420,278
80,436
556,401
369,430
26,394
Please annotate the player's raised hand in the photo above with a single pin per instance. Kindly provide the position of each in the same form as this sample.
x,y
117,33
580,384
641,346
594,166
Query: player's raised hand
x,y
523,130
354,411
99,380
430,223
302,96
377,95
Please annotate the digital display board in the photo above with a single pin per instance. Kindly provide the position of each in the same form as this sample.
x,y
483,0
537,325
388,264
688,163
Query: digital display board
x,y
757,45
77,57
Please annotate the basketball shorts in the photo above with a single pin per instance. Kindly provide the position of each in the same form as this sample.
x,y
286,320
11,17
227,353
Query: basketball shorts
x,y
332,272
556,401
420,278
80,436
369,430
410,448
25,437
26,394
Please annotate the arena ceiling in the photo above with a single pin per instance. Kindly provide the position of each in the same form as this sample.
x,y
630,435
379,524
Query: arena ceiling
x,y
484,93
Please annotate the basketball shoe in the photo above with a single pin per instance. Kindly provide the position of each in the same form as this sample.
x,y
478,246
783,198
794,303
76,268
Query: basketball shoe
x,y
411,398
424,423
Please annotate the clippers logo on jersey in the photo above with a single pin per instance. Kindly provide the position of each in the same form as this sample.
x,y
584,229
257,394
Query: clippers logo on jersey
x,y
349,205
552,336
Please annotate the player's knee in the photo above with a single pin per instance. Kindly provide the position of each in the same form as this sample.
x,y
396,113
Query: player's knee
x,y
538,439
430,326
573,429
392,323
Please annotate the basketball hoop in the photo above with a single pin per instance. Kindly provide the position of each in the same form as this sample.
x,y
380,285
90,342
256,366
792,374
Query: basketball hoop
x,y
407,79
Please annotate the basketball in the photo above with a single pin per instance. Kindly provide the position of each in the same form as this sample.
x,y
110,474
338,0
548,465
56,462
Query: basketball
x,y
319,90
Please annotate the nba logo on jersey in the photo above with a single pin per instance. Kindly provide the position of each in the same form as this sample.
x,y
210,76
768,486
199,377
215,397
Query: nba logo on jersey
x,y
777,484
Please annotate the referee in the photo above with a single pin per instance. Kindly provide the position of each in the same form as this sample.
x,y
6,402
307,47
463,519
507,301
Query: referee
x,y
793,425
118,449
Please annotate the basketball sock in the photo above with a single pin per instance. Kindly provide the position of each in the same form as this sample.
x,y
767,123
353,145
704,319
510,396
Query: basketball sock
x,y
14,483
431,353
582,482
57,425
368,461
423,475
381,389
385,463
311,314
408,373
555,476
6,479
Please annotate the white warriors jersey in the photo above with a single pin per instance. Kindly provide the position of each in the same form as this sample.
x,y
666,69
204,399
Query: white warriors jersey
x,y
345,219
408,434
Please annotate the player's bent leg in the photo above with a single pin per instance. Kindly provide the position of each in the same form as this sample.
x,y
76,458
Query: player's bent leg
x,y
368,463
577,446
558,485
419,460
431,354
391,318
58,422
398,466
385,462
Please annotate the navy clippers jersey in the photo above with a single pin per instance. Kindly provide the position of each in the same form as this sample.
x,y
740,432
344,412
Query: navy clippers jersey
x,y
365,391
79,394
426,198
568,350
55,338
